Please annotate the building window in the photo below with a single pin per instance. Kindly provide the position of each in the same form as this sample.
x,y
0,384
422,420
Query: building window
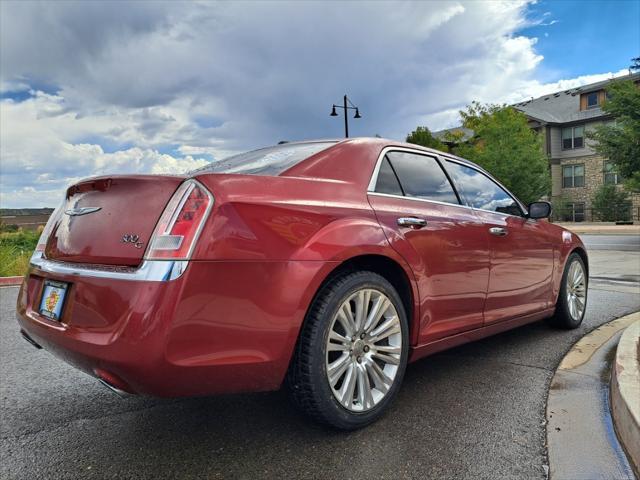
x,y
611,175
573,137
574,212
572,176
592,100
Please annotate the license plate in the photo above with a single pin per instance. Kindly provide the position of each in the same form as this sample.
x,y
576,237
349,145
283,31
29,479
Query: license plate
x,y
53,295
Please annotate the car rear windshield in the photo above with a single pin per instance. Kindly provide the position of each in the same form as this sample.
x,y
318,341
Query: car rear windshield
x,y
265,161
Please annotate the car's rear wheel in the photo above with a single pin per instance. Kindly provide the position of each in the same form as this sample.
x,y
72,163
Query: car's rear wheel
x,y
572,299
352,351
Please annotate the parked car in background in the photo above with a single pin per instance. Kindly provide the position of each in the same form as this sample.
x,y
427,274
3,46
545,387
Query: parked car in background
x,y
325,266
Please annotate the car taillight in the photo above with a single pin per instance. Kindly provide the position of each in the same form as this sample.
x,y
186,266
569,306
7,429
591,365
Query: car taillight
x,y
177,230
46,232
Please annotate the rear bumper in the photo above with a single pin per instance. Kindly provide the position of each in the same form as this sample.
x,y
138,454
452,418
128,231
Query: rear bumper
x,y
149,271
201,328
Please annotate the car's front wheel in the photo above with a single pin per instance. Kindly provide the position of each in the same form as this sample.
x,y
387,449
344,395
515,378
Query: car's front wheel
x,y
572,298
352,351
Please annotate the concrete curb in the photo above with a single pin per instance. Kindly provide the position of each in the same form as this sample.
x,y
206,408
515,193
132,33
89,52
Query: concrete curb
x,y
625,391
10,281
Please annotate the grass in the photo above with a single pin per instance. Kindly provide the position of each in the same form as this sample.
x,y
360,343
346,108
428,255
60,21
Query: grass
x,y
15,251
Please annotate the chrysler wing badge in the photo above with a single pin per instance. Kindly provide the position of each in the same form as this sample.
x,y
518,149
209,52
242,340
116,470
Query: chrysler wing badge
x,y
74,212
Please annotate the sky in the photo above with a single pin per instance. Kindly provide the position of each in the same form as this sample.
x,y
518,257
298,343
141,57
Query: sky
x,y
93,88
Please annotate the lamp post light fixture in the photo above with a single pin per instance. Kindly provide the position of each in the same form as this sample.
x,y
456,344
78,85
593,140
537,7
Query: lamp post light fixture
x,y
347,105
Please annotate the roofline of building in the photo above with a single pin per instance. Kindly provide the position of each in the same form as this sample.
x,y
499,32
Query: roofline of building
x,y
572,122
584,88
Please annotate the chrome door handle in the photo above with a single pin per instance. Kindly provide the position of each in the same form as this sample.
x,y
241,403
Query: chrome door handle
x,y
412,222
498,231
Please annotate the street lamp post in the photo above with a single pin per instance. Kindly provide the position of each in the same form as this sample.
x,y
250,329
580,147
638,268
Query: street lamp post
x,y
347,105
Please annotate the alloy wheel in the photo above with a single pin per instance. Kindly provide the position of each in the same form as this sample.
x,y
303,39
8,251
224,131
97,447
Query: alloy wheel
x,y
363,350
576,290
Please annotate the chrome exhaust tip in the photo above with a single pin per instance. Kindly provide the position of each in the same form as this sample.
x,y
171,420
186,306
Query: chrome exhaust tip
x,y
116,390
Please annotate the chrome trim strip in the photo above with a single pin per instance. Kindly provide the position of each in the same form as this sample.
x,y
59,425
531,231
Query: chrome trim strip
x,y
502,213
149,271
418,199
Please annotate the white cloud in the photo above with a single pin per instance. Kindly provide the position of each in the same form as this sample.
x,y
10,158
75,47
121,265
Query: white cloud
x,y
164,86
38,164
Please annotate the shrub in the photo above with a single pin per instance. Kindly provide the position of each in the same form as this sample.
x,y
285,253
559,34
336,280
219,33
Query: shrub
x,y
15,251
560,208
611,204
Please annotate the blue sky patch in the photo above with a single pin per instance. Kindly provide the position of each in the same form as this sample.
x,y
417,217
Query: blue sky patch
x,y
581,38
16,95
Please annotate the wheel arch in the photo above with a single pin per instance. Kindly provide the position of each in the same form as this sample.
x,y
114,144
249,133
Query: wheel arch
x,y
583,255
391,269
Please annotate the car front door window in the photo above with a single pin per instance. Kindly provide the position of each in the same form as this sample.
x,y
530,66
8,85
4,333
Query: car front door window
x,y
482,192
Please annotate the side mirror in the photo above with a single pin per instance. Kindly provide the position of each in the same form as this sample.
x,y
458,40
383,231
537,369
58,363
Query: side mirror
x,y
539,210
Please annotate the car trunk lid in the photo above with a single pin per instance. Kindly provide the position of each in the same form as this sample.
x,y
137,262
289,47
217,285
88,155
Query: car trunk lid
x,y
109,220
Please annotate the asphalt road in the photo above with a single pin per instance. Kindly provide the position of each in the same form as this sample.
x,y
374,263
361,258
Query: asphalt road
x,y
476,411
626,243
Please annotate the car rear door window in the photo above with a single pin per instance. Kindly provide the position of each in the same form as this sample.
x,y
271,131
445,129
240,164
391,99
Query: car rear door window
x,y
422,177
480,191
387,181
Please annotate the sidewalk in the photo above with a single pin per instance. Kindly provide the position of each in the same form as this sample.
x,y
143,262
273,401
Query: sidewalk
x,y
581,443
601,228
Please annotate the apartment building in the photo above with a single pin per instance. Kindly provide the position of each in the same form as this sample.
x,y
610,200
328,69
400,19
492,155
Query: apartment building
x,y
577,171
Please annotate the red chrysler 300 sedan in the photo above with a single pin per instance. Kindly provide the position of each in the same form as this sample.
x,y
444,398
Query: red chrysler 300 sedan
x,y
325,266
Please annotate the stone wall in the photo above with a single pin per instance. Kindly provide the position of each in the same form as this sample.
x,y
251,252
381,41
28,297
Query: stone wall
x,y
593,180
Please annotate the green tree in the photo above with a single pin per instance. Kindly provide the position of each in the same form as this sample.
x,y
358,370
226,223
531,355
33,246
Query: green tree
x,y
423,136
611,204
504,145
620,141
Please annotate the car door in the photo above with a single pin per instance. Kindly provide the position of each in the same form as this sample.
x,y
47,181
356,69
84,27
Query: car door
x,y
442,240
520,281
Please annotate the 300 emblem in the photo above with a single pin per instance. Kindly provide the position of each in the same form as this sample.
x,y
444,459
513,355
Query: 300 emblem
x,y
133,239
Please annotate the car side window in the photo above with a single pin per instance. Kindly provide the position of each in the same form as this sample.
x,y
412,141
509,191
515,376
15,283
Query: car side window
x,y
387,181
480,191
422,177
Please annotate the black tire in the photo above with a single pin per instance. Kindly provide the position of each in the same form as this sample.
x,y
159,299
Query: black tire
x,y
307,380
563,318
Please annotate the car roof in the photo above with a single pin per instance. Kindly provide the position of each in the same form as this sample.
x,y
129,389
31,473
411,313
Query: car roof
x,y
386,142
